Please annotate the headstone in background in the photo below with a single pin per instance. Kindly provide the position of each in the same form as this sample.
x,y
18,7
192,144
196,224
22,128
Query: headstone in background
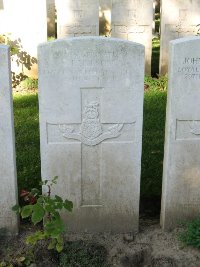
x,y
26,24
51,18
132,20
77,18
8,179
1,18
178,19
91,110
181,174
105,17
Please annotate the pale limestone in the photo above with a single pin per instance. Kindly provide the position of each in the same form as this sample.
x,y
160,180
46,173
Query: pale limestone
x,y
91,110
77,18
178,19
132,20
1,17
51,16
26,23
181,173
8,188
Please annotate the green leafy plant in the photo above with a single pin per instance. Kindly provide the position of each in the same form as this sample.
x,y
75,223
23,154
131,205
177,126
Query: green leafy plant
x,y
191,235
43,207
29,83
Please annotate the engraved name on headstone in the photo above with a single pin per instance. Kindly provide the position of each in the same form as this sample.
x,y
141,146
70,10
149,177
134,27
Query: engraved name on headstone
x,y
8,180
77,18
181,173
132,20
182,22
91,98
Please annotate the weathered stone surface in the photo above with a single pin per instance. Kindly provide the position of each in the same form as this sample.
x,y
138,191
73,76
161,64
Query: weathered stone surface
x,y
77,18
1,17
51,16
8,188
181,183
182,22
91,105
26,23
132,20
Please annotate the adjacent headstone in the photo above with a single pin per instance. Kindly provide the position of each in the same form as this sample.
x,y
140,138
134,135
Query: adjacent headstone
x,y
132,20
1,18
91,109
77,18
51,18
8,188
181,174
26,24
182,22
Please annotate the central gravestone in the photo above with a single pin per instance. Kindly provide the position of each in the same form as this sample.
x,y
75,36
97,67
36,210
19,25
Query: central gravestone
x,y
132,20
77,18
91,105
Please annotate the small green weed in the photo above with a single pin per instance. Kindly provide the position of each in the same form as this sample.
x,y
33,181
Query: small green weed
x,y
47,209
191,235
29,83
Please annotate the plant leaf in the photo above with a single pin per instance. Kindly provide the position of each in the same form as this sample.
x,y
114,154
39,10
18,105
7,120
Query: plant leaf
x,y
26,211
38,213
68,205
59,247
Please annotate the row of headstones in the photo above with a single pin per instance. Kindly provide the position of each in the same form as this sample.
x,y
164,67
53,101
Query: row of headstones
x,y
91,110
131,20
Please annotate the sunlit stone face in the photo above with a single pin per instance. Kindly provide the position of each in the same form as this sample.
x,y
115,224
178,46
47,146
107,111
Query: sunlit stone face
x,y
132,20
181,169
77,18
91,105
8,181
182,22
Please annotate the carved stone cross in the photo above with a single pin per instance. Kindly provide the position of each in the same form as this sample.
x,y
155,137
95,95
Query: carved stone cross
x,y
91,132
182,27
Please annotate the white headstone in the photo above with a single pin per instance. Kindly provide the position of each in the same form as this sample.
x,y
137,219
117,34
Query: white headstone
x,y
1,17
181,174
77,18
51,18
178,19
26,22
91,106
8,188
132,20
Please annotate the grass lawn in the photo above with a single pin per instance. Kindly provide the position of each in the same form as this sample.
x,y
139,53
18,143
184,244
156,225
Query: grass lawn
x,y
27,138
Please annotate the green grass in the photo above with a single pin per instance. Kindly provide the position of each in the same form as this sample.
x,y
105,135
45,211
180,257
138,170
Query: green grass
x,y
82,254
27,138
153,137
191,235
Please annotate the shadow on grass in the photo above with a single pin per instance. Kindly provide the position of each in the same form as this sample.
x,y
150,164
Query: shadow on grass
x,y
153,150
26,120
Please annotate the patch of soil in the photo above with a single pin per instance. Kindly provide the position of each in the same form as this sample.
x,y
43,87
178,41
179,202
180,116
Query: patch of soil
x,y
151,247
